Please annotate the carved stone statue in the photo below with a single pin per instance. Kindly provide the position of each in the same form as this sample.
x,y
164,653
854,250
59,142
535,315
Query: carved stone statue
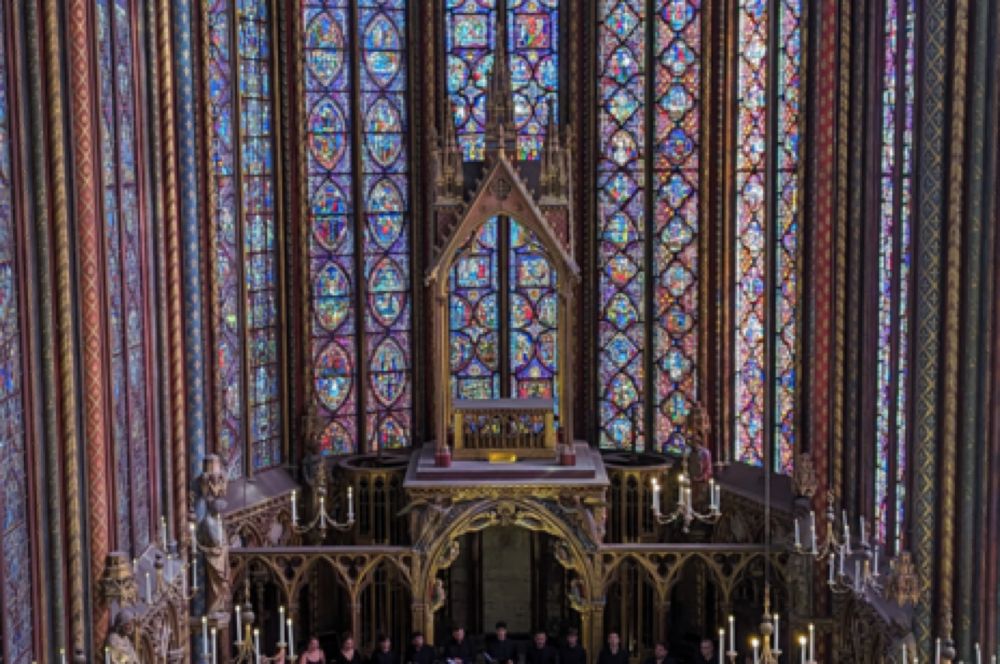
x,y
697,429
312,462
211,535
121,640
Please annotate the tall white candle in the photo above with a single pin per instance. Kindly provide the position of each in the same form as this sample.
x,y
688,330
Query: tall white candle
x,y
256,644
803,647
204,636
295,510
831,568
680,489
193,540
842,562
163,532
107,655
722,644
322,509
979,655
812,642
756,650
875,564
798,537
281,624
350,503
777,632
656,497
937,651
194,572
847,538
711,494
291,640
239,625
62,656
861,524
904,660
149,589
732,634
215,639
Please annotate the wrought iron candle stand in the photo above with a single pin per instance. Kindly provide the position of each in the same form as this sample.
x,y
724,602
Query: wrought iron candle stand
x,y
684,510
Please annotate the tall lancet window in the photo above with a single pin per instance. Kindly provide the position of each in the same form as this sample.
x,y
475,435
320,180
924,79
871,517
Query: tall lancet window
x,y
894,256
767,229
245,234
16,578
503,303
650,118
533,54
126,270
357,210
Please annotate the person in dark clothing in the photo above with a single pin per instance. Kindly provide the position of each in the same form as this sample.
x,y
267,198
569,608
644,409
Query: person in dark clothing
x,y
383,651
613,652
458,650
706,653
500,649
540,652
661,655
419,652
347,654
572,652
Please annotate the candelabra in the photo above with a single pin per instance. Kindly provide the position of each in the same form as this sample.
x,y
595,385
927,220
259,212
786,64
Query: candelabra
x,y
829,549
684,510
322,519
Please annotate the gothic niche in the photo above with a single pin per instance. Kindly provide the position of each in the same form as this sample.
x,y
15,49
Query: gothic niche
x,y
500,286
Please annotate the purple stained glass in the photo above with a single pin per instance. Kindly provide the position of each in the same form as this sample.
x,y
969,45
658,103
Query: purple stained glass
x,y
124,268
894,270
16,595
622,231
385,167
751,230
533,48
470,36
227,254
241,140
331,218
368,313
534,309
676,178
474,314
787,246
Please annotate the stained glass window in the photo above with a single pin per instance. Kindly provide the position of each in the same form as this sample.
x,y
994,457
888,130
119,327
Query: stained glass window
x,y
533,52
648,224
358,254
125,273
503,284
894,258
245,250
15,547
474,308
756,228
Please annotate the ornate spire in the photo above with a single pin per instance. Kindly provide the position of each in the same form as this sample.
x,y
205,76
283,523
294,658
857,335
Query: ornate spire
x,y
449,178
500,131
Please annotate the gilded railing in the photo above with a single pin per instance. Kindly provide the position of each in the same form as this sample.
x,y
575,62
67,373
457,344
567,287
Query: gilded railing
x,y
522,427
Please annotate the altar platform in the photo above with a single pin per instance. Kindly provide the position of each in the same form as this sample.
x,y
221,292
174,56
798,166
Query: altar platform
x,y
589,471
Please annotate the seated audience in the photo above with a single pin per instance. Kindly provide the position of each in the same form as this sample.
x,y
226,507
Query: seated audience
x,y
313,654
500,649
661,654
383,651
540,652
613,652
419,652
458,650
347,654
706,652
572,652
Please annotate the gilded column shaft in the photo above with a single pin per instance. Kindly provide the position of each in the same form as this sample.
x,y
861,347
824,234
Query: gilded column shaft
x,y
953,295
929,213
47,335
65,329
